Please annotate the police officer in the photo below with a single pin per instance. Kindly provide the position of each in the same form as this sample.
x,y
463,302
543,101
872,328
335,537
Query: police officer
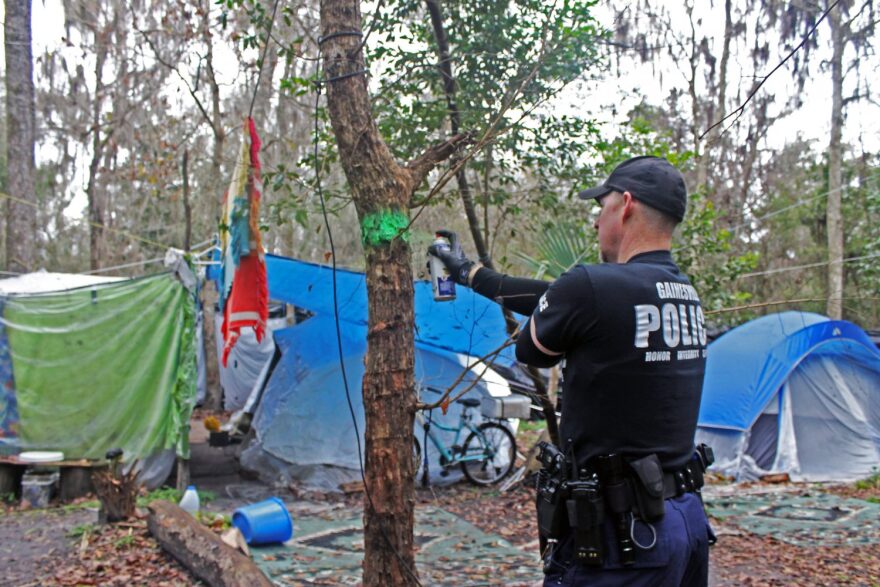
x,y
633,336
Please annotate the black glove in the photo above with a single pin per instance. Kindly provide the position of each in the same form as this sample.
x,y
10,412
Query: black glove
x,y
456,263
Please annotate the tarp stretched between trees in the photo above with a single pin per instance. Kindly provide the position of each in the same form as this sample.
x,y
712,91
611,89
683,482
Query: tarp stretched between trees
x,y
303,425
104,366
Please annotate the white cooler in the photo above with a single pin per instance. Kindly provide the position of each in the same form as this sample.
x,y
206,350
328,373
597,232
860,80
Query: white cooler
x,y
511,406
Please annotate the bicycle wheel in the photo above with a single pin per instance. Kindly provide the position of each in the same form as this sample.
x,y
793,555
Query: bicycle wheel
x,y
416,458
496,448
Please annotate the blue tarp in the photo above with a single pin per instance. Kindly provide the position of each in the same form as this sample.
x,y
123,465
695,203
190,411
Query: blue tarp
x,y
303,423
470,324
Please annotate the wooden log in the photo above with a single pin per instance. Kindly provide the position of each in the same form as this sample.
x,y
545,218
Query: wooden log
x,y
200,550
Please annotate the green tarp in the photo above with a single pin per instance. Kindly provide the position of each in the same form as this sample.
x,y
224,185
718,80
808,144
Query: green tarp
x,y
104,366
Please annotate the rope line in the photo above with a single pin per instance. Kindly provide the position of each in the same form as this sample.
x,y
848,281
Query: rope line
x,y
782,302
810,265
95,224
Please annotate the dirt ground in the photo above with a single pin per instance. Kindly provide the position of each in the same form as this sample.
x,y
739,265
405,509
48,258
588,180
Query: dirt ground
x,y
65,546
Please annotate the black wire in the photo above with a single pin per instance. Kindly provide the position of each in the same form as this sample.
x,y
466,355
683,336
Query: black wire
x,y
357,434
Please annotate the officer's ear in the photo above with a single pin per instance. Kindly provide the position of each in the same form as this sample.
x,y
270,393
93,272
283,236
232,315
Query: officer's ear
x,y
628,204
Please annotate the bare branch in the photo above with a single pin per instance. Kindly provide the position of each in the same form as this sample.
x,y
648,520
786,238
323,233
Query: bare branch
x,y
741,109
424,163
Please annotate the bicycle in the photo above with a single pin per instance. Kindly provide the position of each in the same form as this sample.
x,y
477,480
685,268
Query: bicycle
x,y
487,455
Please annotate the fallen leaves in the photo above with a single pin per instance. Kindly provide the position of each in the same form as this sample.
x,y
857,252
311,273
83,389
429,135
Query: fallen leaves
x,y
120,555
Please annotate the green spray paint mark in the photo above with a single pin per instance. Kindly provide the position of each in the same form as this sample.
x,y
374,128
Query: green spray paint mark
x,y
383,227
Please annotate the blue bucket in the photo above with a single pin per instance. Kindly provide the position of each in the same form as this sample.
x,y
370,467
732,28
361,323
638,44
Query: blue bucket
x,y
264,522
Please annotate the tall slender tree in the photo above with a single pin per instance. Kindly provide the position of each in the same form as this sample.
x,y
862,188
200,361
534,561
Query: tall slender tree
x,y
382,191
21,215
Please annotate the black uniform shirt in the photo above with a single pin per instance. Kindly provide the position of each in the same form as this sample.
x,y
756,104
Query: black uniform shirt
x,y
634,343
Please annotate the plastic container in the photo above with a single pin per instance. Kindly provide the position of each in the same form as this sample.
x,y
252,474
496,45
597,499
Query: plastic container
x,y
511,406
264,522
190,500
38,488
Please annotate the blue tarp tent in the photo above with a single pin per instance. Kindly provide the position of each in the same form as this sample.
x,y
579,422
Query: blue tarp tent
x,y
302,423
793,392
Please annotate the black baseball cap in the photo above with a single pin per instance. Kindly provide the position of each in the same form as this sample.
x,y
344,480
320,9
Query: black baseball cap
x,y
651,180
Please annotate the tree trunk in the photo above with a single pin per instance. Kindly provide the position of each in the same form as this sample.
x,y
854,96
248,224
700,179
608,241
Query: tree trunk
x,y
187,206
213,390
467,201
21,216
95,201
381,190
834,218
200,550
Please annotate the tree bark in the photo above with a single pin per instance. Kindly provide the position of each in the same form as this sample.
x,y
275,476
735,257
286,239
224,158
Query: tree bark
x,y
200,550
187,206
21,217
467,201
834,306
213,390
379,187
95,201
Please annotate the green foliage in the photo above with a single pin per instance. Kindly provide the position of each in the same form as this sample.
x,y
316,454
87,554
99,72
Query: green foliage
x,y
125,541
83,505
871,482
80,529
173,495
704,253
560,248
214,520
163,493
514,53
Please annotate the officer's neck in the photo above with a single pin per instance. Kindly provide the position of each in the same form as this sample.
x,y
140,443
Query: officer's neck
x,y
635,243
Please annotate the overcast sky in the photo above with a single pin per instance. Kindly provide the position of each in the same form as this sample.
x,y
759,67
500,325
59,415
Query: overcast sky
x,y
609,100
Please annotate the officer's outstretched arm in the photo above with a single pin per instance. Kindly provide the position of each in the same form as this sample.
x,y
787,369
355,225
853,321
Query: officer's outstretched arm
x,y
517,294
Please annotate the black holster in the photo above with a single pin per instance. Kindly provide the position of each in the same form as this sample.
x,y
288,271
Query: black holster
x,y
648,488
550,505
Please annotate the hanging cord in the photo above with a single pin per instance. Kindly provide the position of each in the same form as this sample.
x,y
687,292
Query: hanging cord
x,y
357,434
263,59
95,224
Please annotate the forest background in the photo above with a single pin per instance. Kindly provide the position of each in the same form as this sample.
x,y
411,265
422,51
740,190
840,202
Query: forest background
x,y
137,111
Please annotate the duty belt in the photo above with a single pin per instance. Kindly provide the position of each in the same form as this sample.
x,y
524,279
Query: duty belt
x,y
688,479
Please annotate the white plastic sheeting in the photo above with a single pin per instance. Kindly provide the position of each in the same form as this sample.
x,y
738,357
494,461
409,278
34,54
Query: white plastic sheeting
x,y
244,365
43,281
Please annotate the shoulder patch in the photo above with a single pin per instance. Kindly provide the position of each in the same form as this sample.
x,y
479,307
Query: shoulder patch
x,y
543,303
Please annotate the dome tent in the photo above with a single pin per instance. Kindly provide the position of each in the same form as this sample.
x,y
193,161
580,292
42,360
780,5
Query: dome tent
x,y
793,392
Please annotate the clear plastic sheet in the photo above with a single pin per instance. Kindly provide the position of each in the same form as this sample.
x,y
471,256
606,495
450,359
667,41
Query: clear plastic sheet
x,y
104,367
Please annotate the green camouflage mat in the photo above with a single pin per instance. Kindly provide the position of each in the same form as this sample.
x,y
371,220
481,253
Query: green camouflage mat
x,y
804,519
327,549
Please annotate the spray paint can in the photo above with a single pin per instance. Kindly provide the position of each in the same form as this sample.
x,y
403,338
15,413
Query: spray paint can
x,y
441,281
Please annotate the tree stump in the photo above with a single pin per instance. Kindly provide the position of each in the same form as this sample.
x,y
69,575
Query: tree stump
x,y
200,550
117,493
